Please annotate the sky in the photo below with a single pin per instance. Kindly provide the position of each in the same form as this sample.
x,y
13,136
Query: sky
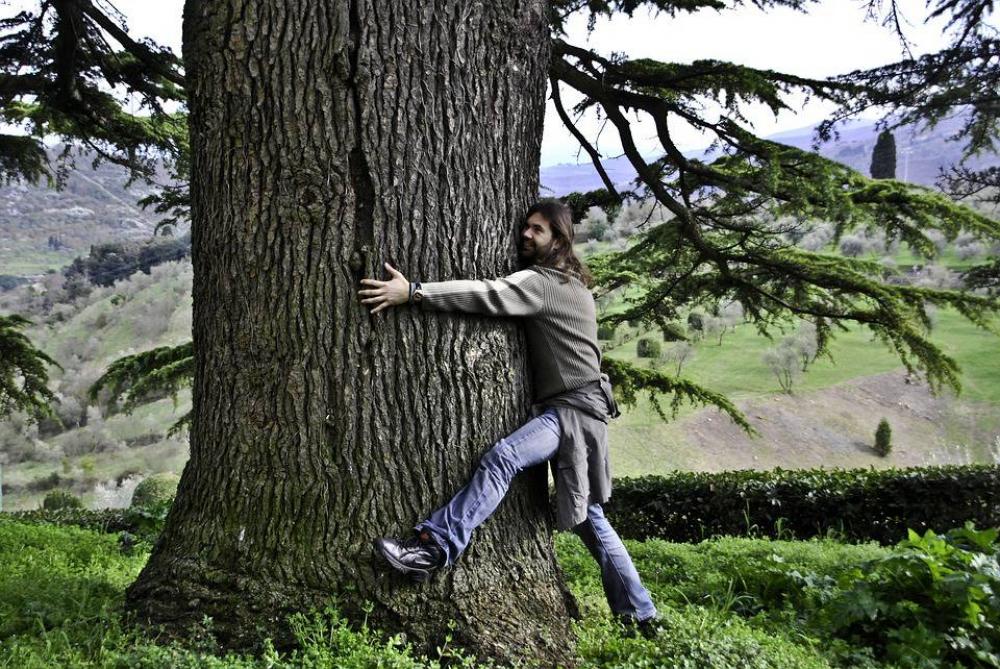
x,y
834,37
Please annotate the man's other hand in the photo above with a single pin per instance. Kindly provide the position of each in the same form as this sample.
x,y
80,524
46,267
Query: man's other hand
x,y
386,293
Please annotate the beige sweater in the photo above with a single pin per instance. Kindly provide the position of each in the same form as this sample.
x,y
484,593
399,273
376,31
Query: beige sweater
x,y
560,321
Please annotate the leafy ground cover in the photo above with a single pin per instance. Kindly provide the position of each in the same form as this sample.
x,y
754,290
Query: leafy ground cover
x,y
729,602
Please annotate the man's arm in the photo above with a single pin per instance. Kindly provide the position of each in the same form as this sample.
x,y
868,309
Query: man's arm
x,y
519,294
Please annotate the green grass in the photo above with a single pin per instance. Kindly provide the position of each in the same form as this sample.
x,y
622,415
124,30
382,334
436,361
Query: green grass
x,y
29,261
735,368
61,593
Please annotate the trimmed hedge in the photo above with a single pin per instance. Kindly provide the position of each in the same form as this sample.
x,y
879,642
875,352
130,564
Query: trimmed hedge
x,y
861,504
105,520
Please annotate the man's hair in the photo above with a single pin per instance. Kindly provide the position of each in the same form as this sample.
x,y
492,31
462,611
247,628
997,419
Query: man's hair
x,y
560,255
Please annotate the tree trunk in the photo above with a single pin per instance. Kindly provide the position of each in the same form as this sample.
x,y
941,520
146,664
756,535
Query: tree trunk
x,y
329,137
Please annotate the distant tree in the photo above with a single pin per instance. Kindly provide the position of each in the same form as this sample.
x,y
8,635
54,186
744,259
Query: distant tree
x,y
883,438
679,354
673,331
647,348
884,156
852,246
696,322
805,344
783,361
606,332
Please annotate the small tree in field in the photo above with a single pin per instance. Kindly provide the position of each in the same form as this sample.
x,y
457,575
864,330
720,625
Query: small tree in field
x,y
883,438
783,361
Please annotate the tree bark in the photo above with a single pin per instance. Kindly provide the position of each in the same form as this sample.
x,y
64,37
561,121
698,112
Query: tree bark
x,y
329,137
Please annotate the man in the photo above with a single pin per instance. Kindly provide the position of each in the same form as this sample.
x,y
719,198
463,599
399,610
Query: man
x,y
573,403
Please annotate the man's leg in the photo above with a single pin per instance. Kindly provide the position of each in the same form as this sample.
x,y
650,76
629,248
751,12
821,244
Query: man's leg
x,y
451,525
625,593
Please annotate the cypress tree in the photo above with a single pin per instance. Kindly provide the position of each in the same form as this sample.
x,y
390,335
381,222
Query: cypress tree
x,y
883,438
884,156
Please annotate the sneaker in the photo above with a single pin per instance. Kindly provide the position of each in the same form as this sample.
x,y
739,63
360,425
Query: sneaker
x,y
417,557
647,628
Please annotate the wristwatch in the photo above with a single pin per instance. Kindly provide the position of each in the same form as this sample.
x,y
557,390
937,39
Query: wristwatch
x,y
415,294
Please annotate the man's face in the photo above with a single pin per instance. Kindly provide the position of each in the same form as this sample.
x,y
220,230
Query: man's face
x,y
536,238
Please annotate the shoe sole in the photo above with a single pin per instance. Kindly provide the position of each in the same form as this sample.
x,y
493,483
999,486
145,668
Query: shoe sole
x,y
419,575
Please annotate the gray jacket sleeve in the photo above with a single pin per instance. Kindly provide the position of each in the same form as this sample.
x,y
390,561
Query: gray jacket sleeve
x,y
519,294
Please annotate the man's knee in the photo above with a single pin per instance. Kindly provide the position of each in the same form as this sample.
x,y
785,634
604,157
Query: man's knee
x,y
500,458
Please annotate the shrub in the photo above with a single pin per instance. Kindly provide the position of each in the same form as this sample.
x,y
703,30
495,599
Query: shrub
x,y
969,251
929,604
673,332
47,482
606,332
155,490
860,504
852,246
883,438
647,348
61,499
696,321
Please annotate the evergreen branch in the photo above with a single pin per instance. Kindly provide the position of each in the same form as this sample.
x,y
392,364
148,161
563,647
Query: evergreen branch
x,y
627,380
160,62
931,88
139,376
22,158
18,356
560,10
595,157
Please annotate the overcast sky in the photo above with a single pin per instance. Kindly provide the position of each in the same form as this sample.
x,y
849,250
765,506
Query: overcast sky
x,y
833,38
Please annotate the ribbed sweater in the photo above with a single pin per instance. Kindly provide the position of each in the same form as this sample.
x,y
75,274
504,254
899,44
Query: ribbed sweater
x,y
560,321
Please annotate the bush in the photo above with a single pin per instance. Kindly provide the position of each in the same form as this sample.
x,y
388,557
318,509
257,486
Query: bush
x,y
696,321
61,499
606,332
647,348
673,332
860,504
47,482
930,604
883,438
852,246
155,490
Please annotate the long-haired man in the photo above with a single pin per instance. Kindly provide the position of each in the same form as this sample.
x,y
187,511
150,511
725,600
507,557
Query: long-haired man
x,y
572,405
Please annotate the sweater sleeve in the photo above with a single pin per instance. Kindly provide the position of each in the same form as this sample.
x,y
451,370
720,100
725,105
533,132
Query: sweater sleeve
x,y
519,294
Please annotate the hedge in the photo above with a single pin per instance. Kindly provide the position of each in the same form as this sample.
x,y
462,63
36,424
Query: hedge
x,y
104,520
861,504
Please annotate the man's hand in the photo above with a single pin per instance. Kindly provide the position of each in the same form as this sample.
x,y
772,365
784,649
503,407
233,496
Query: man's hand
x,y
386,293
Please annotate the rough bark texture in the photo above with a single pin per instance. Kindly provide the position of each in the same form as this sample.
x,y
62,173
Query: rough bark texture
x,y
329,137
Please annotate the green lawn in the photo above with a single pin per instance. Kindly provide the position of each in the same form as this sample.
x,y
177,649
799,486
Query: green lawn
x,y
724,603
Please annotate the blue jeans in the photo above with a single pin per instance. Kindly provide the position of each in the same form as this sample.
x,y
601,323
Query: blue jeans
x,y
535,442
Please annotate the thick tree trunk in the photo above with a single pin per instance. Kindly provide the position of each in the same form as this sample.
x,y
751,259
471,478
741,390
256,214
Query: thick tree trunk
x,y
329,137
